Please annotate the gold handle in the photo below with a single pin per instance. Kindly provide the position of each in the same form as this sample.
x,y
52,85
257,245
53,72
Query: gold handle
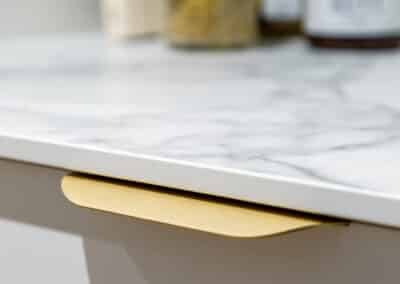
x,y
187,210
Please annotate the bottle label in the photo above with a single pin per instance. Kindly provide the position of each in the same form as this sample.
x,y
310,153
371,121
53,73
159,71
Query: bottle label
x,y
353,18
282,10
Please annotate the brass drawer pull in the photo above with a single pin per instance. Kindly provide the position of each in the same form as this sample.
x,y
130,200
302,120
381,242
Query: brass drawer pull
x,y
192,211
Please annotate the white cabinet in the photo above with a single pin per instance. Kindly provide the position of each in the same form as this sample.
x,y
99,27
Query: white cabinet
x,y
45,239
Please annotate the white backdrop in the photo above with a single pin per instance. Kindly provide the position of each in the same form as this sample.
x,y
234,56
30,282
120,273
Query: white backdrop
x,y
48,16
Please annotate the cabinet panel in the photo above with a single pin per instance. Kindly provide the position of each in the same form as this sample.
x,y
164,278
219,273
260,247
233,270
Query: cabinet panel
x,y
47,238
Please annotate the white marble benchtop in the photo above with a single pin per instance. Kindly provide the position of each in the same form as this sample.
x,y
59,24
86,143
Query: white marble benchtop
x,y
283,125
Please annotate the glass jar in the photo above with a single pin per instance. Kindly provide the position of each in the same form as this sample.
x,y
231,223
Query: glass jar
x,y
212,23
281,17
130,18
353,23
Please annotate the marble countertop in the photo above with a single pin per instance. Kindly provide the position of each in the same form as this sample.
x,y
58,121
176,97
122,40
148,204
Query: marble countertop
x,y
282,124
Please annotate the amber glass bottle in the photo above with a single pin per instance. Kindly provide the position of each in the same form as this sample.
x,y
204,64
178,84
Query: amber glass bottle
x,y
212,23
353,23
281,17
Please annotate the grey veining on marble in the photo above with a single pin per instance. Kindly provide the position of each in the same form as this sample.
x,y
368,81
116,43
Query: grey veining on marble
x,y
283,109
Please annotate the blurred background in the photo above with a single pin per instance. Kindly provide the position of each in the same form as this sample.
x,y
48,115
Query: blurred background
x,y
48,16
219,23
215,23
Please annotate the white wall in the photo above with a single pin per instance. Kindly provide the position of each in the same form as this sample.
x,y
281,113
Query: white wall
x,y
44,16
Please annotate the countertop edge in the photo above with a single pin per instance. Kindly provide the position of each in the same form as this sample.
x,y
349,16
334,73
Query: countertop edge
x,y
288,193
